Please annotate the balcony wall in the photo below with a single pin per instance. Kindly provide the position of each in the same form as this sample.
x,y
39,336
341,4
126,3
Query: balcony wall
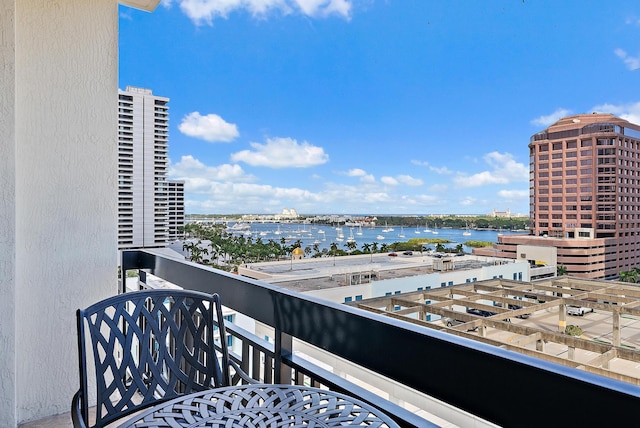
x,y
58,86
489,382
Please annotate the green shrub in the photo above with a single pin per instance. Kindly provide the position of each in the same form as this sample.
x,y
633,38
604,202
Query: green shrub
x,y
573,330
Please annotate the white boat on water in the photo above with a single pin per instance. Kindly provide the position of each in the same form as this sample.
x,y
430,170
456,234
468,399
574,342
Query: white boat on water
x,y
239,227
359,232
380,237
351,238
387,229
466,232
401,234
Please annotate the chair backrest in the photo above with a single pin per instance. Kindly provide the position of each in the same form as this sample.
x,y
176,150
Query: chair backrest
x,y
150,346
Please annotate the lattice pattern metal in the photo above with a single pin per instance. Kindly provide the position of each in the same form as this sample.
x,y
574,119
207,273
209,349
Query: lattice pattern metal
x,y
262,406
151,345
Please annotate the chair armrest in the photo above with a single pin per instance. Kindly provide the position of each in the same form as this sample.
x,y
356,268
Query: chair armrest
x,y
239,373
76,411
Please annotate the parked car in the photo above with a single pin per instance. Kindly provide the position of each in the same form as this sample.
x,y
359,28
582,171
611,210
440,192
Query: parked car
x,y
408,253
483,313
392,255
479,312
521,316
452,322
514,307
578,310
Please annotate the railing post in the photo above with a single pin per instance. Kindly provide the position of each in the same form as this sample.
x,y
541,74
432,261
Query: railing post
x,y
283,348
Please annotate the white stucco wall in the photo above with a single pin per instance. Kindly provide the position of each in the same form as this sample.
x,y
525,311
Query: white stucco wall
x,y
7,214
433,280
58,192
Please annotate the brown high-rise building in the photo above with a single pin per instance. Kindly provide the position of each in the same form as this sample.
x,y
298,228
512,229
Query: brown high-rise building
x,y
584,196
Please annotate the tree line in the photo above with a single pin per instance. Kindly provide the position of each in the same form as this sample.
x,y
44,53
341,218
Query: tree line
x,y
212,245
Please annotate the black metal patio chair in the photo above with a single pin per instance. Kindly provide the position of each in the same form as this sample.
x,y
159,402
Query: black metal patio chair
x,y
147,347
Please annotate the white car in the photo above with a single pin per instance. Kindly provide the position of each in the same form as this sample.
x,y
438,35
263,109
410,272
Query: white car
x,y
578,310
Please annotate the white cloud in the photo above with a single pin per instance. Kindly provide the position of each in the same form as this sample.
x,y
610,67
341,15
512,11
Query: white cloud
x,y
389,181
364,177
632,63
468,201
504,170
356,172
210,128
438,170
324,8
282,153
552,118
205,11
409,181
514,195
188,167
630,112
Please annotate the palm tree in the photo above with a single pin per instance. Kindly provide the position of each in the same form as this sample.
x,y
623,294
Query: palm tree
x,y
629,276
334,249
351,246
195,251
562,270
367,248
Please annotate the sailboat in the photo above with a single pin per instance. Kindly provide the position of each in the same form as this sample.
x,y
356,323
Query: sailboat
x,y
426,228
351,238
359,232
401,234
466,232
417,231
340,236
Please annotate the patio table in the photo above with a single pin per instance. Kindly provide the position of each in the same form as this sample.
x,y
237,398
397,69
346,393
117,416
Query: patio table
x,y
264,406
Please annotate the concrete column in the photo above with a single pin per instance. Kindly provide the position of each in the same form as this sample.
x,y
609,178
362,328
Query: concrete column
x,y
58,192
571,353
7,216
562,318
540,345
615,316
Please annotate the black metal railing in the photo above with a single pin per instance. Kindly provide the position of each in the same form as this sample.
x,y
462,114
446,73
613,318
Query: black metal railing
x,y
500,386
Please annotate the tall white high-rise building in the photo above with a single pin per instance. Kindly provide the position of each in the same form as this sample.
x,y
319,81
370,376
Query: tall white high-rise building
x,y
175,195
143,135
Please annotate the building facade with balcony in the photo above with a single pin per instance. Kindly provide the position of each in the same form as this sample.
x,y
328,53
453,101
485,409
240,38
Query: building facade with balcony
x,y
143,191
584,195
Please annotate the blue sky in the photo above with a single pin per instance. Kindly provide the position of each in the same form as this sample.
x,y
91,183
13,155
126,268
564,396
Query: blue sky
x,y
372,106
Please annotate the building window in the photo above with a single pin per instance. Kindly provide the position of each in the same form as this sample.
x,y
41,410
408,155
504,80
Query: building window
x,y
358,297
347,299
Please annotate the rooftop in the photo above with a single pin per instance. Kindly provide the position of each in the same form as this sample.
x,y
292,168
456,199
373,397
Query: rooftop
x,y
530,318
311,274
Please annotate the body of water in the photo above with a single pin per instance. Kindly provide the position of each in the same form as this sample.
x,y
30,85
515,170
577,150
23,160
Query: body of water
x,y
325,235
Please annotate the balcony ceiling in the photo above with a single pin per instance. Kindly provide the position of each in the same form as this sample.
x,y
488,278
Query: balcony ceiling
x,y
148,5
